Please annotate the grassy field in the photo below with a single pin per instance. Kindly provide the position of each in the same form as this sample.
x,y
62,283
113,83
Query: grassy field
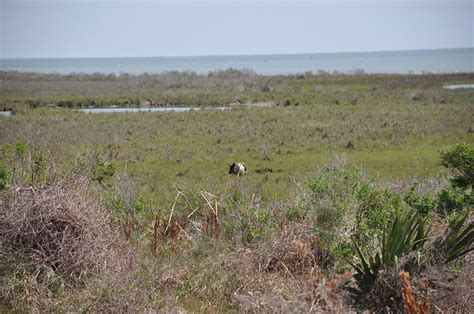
x,y
371,120
390,128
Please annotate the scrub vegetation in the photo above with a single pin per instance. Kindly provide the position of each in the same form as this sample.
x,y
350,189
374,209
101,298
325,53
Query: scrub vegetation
x,y
358,196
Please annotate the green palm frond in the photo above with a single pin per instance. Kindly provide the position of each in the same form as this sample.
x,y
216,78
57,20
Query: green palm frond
x,y
406,234
460,238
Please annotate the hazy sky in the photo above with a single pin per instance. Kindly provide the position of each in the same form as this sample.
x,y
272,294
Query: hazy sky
x,y
105,28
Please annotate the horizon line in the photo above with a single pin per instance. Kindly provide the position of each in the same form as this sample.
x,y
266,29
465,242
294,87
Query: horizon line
x,y
241,55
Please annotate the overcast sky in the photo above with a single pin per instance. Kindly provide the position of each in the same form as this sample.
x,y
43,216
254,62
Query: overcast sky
x,y
51,29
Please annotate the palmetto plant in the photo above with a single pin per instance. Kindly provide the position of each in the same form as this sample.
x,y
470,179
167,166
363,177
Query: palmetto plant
x,y
406,234
459,239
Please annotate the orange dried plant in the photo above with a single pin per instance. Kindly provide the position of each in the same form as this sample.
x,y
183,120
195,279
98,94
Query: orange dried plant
x,y
412,305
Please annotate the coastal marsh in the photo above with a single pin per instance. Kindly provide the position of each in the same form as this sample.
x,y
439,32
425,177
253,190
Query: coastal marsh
x,y
166,168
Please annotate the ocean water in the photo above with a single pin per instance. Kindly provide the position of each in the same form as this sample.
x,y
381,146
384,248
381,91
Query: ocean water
x,y
416,61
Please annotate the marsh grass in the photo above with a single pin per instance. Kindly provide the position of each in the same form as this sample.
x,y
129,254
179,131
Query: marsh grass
x,y
195,238
220,87
169,150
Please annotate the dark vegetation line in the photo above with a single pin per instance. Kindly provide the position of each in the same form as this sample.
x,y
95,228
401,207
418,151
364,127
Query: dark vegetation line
x,y
213,89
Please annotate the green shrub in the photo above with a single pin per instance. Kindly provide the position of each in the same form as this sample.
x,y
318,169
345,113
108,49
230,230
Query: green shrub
x,y
3,176
376,209
142,204
38,165
339,203
330,197
118,205
460,159
21,149
450,200
422,204
103,171
23,164
253,223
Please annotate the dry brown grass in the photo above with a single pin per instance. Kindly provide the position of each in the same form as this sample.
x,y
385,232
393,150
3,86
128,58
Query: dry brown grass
x,y
295,250
289,269
60,226
59,249
313,293
452,286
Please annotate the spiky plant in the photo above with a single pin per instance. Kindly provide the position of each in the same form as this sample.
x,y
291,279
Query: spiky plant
x,y
406,234
459,239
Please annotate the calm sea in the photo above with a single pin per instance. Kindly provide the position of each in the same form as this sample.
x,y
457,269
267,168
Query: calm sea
x,y
437,61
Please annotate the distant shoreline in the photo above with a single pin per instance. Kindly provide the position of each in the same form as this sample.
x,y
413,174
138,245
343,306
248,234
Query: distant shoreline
x,y
452,60
243,55
125,75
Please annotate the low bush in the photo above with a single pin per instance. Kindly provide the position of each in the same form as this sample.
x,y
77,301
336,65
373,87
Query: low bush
x,y
406,244
3,176
343,203
460,159
450,200
422,204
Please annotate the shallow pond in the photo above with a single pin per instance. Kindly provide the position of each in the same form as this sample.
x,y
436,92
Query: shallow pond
x,y
457,86
163,109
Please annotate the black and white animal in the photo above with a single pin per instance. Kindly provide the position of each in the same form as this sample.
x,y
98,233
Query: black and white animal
x,y
237,168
